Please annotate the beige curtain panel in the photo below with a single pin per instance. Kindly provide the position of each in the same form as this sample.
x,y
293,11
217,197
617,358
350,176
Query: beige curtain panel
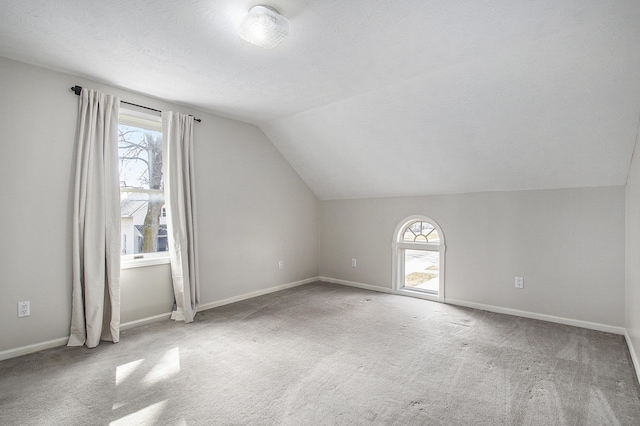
x,y
180,198
95,313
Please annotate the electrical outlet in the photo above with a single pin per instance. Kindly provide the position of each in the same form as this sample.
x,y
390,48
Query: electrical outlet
x,y
353,263
24,309
281,264
519,282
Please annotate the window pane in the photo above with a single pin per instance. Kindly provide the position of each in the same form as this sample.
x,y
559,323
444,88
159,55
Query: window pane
x,y
426,228
140,152
422,270
143,224
421,232
143,228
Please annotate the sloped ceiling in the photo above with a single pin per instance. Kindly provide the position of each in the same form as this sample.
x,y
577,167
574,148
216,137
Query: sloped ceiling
x,y
378,98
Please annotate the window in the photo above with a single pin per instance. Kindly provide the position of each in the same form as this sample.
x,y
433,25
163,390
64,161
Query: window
x,y
143,217
418,258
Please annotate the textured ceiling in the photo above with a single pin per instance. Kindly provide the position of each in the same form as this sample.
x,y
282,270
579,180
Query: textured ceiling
x,y
378,98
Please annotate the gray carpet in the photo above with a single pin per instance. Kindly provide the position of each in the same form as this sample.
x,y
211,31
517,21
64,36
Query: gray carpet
x,y
323,354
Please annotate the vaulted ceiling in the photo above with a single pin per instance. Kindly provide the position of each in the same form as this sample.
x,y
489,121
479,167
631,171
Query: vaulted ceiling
x,y
379,97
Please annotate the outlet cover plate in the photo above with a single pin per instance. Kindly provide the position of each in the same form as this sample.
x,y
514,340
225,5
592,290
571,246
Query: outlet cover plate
x,y
24,309
519,282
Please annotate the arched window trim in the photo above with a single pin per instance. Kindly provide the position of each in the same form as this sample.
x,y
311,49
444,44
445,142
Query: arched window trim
x,y
398,247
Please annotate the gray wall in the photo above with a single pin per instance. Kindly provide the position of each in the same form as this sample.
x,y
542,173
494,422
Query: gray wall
x,y
145,292
567,244
632,320
253,209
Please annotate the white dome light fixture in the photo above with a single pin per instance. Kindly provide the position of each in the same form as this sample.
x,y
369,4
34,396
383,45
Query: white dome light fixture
x,y
264,26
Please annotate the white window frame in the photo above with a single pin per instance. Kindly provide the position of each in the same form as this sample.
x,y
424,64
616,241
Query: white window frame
x,y
144,118
398,248
128,261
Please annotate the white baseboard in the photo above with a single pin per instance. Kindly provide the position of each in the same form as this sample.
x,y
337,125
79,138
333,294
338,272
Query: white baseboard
x,y
355,284
497,309
542,317
24,350
36,347
632,352
145,321
235,299
62,341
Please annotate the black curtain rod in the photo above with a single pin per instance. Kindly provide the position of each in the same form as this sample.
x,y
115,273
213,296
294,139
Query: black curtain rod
x,y
78,89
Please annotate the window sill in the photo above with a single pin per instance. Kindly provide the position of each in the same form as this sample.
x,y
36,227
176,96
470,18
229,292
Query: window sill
x,y
419,294
139,263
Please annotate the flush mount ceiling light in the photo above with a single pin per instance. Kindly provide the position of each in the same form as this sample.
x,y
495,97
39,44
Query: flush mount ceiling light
x,y
264,26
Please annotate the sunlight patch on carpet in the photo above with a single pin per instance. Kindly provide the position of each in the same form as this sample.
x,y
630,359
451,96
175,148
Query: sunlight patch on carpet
x,y
124,371
146,416
167,367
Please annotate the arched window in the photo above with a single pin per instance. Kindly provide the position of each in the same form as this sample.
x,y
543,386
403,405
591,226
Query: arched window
x,y
418,258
